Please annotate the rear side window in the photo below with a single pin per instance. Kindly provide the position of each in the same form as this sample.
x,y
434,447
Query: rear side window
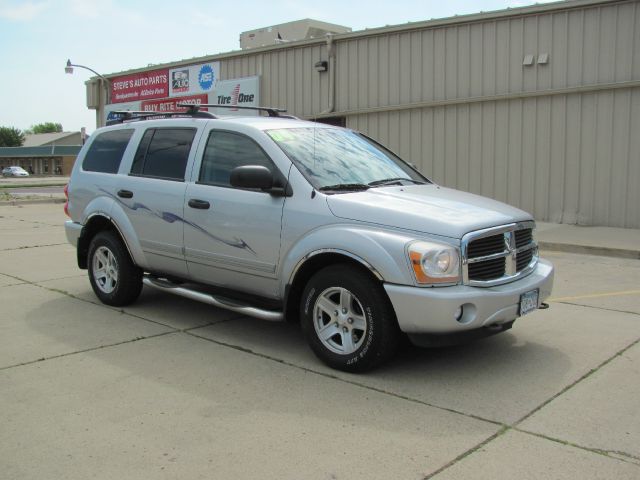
x,y
105,153
226,151
163,153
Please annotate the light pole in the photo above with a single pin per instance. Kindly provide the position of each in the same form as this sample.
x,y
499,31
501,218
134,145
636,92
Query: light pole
x,y
105,84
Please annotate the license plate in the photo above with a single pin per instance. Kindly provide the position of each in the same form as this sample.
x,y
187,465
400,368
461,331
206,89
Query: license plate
x,y
528,302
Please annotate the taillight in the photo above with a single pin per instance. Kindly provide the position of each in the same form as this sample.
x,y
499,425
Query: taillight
x,y
66,204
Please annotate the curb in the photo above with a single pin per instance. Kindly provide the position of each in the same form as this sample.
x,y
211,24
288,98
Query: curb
x,y
4,186
35,201
590,250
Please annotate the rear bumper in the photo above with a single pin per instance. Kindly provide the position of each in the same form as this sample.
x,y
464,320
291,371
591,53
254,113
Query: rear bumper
x,y
432,310
73,231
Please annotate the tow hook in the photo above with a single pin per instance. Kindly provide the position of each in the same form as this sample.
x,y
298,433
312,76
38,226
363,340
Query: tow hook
x,y
544,306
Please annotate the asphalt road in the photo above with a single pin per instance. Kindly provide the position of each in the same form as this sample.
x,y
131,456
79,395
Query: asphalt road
x,y
169,388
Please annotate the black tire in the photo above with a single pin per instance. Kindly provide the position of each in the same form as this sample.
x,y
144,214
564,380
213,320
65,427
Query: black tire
x,y
116,291
366,335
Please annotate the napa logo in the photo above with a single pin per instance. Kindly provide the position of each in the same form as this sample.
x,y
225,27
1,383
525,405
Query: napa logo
x,y
206,77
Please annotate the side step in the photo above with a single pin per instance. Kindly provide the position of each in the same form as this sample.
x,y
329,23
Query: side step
x,y
216,301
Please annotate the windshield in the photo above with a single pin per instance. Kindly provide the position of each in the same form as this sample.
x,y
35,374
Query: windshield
x,y
336,159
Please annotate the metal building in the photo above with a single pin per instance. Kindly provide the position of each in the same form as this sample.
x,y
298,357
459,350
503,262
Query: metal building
x,y
536,106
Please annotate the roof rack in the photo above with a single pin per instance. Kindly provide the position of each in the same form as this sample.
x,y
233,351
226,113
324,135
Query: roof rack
x,y
271,111
123,116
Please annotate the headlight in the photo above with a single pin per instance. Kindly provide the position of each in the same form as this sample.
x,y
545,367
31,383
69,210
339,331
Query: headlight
x,y
434,262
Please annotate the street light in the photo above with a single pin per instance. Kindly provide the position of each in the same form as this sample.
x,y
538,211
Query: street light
x,y
105,83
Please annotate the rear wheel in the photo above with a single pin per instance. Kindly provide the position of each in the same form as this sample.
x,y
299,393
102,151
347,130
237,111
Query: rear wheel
x,y
114,277
348,319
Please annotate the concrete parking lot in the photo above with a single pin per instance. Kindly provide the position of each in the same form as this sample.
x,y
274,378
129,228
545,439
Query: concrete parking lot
x,y
170,388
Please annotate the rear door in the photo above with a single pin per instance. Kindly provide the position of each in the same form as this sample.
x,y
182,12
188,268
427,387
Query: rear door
x,y
232,236
153,196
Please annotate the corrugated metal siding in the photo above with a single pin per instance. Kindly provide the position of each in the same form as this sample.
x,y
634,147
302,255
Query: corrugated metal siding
x,y
564,158
586,47
288,77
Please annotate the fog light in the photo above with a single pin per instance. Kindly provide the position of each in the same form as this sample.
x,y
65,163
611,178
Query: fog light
x,y
458,314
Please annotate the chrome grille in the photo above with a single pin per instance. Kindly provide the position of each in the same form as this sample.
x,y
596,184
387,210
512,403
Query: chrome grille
x,y
523,259
487,270
499,254
486,246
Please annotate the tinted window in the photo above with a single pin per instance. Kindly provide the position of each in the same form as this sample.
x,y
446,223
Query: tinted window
x,y
105,153
163,153
226,151
138,160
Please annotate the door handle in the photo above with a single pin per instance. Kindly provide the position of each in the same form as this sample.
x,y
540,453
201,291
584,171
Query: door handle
x,y
125,194
199,204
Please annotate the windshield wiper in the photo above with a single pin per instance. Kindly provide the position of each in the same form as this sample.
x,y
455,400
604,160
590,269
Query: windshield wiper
x,y
390,181
345,186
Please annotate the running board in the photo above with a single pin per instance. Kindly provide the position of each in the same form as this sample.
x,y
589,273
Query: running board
x,y
216,301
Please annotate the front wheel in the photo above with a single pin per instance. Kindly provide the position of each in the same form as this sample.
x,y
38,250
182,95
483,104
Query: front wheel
x,y
114,277
348,319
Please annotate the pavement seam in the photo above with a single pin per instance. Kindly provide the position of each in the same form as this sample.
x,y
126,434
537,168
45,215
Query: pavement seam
x,y
36,222
98,304
598,308
504,427
342,380
124,342
92,349
27,247
468,452
619,353
615,454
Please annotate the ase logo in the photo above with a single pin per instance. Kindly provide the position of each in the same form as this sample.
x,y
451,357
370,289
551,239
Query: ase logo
x,y
206,77
180,81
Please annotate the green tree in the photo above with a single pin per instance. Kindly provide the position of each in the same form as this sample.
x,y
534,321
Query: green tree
x,y
11,137
46,127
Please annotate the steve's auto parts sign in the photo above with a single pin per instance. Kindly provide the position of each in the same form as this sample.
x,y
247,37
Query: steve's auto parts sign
x,y
140,86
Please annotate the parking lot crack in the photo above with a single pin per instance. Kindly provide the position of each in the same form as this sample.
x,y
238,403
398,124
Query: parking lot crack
x,y
618,455
26,247
98,304
344,380
599,308
92,349
468,452
576,382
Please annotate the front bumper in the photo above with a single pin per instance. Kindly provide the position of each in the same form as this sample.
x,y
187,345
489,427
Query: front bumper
x,y
432,310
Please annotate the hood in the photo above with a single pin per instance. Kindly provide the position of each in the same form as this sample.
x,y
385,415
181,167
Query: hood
x,y
425,208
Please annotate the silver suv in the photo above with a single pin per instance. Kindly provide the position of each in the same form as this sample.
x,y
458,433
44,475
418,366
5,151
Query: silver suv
x,y
284,219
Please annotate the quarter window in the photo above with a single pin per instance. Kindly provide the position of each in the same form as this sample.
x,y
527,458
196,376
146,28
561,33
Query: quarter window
x,y
105,153
163,153
226,151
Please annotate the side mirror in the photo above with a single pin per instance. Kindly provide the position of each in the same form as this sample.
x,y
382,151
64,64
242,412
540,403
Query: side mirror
x,y
252,176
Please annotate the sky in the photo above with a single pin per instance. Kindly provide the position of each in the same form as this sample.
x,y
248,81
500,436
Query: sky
x,y
38,36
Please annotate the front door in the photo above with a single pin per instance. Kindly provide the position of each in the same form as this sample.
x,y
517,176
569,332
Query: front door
x,y
232,236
